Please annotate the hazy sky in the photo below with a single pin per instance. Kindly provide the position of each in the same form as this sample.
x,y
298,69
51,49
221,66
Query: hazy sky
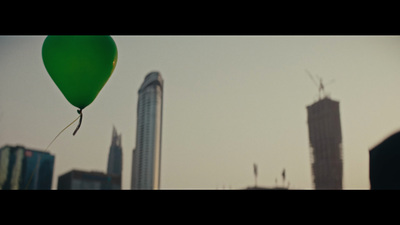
x,y
229,102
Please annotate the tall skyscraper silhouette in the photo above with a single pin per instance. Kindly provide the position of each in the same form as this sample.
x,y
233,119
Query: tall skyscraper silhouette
x,y
114,165
146,163
326,144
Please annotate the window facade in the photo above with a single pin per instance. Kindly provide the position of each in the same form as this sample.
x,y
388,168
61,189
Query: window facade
x,y
326,144
147,157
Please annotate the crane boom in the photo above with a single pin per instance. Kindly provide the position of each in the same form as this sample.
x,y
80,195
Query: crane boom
x,y
320,85
312,78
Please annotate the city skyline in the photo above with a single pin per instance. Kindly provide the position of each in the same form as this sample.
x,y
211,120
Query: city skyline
x,y
231,101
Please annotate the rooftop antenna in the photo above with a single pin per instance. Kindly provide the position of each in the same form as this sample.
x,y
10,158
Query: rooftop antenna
x,y
320,85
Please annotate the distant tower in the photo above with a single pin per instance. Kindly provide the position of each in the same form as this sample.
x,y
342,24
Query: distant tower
x,y
114,166
146,163
326,144
325,134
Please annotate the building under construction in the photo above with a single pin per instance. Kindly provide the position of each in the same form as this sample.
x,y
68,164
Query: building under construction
x,y
325,135
326,144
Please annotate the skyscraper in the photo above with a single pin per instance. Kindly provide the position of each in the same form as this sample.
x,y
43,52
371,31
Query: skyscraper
x,y
325,137
146,162
25,169
114,165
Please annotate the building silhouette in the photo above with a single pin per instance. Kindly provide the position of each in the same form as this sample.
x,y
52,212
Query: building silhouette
x,y
82,180
325,138
146,163
114,165
384,164
25,169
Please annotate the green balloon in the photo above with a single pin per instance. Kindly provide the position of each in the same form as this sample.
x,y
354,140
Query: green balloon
x,y
80,65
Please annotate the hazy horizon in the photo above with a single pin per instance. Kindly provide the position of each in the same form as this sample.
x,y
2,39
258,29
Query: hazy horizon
x,y
229,102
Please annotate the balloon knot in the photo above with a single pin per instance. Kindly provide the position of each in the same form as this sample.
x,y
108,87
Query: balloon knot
x,y
80,112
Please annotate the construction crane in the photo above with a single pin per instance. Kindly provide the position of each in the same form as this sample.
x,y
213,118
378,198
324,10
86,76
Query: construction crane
x,y
320,85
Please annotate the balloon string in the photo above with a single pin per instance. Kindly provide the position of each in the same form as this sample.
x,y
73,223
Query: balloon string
x,y
37,163
80,111
62,131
